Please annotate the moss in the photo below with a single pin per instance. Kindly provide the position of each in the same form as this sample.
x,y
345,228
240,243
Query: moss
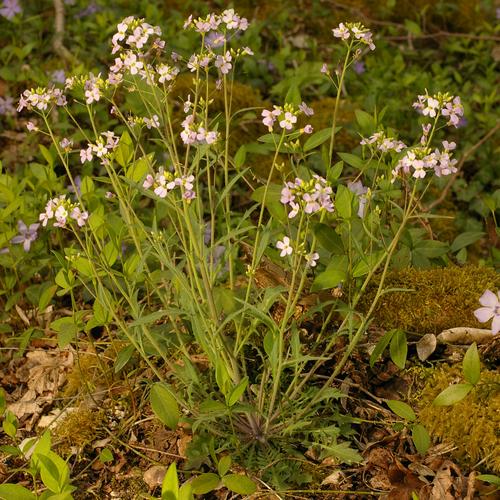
x,y
78,428
470,425
442,298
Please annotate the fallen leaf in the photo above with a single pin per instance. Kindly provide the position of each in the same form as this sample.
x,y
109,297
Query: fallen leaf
x,y
426,346
153,477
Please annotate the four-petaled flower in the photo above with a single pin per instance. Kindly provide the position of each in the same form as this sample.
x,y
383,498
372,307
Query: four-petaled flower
x,y
490,309
26,236
284,246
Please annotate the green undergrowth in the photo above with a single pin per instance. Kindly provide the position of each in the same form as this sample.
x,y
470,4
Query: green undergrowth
x,y
434,300
470,426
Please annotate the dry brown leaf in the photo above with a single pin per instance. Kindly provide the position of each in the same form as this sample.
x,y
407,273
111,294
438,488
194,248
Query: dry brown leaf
x,y
47,370
335,479
444,486
27,405
153,477
426,346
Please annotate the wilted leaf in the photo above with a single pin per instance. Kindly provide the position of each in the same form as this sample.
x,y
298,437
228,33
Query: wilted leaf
x,y
426,346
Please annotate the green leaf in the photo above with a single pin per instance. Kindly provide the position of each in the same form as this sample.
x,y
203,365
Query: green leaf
x,y
223,465
110,253
66,330
399,349
413,27
381,346
87,185
84,266
46,296
328,238
353,160
186,492
125,150
319,138
205,483
237,392
293,95
344,452
47,155
452,394
402,409
170,484
123,357
344,200
465,239
54,471
240,157
242,485
138,169
106,455
15,491
365,121
334,173
471,365
10,424
164,405
421,438
488,478
334,274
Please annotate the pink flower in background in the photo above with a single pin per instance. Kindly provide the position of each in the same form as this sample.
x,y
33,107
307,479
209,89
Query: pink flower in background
x,y
26,236
285,247
10,8
490,309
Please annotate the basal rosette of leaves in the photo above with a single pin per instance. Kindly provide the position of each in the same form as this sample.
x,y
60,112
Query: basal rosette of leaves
x,y
167,233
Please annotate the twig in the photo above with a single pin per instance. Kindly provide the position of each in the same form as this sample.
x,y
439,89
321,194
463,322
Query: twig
x,y
57,41
465,156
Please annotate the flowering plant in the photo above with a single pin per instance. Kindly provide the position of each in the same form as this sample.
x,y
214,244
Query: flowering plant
x,y
159,235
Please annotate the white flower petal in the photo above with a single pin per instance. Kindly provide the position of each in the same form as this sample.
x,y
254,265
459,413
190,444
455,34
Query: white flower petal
x,y
489,299
495,325
483,314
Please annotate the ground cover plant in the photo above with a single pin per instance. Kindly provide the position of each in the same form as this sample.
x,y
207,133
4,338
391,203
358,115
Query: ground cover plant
x,y
209,265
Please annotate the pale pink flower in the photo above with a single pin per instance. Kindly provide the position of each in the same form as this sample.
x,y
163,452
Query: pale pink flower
x,y
490,309
26,236
86,154
284,246
288,120
311,259
341,32
306,109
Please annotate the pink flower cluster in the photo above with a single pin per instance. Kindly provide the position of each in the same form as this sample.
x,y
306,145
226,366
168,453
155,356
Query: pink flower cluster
x,y
62,209
195,134
286,116
227,21
383,143
134,33
418,161
355,30
101,148
130,41
310,196
440,104
163,182
41,99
